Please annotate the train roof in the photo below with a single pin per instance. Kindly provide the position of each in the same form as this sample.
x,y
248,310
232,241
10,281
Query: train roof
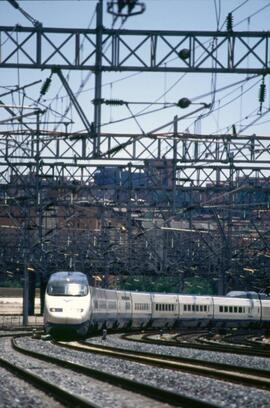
x,y
247,294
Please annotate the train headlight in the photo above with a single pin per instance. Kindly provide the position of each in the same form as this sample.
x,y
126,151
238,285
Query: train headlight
x,y
56,309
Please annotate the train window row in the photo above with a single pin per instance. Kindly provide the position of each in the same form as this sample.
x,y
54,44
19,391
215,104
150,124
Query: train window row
x,y
100,304
232,309
165,307
141,306
111,305
196,308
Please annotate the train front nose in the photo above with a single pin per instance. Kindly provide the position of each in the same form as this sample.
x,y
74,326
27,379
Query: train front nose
x,y
67,310
73,313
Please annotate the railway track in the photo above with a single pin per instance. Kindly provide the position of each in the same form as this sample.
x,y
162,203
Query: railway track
x,y
242,375
22,331
198,341
59,394
157,394
248,340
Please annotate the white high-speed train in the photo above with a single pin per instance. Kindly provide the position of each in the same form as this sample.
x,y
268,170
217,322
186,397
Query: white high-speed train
x,y
71,305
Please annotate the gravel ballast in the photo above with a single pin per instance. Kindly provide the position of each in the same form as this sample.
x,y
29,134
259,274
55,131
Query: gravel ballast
x,y
15,393
219,392
102,394
212,356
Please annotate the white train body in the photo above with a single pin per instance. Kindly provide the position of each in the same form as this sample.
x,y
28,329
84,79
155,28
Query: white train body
x,y
67,303
72,305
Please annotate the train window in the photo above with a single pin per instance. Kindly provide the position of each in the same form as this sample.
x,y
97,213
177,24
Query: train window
x,y
193,308
206,308
59,288
111,305
226,309
230,309
102,304
244,309
221,309
95,304
235,309
185,308
201,308
197,308
189,308
142,306
240,309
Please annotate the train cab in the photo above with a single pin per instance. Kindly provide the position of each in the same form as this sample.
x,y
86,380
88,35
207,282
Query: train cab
x,y
67,301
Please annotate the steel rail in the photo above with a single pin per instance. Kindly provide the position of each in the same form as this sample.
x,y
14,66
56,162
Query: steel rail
x,y
247,340
233,344
254,377
171,398
205,345
65,397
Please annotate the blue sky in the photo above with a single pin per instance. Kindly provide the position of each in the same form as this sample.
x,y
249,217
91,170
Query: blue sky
x,y
159,15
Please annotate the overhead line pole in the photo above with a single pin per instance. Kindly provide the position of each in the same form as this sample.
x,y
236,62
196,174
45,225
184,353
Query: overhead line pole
x,y
98,78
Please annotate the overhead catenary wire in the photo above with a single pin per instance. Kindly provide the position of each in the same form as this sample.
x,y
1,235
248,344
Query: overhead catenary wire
x,y
235,98
172,86
171,105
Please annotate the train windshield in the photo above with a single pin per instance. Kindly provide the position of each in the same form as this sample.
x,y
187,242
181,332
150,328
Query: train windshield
x,y
58,288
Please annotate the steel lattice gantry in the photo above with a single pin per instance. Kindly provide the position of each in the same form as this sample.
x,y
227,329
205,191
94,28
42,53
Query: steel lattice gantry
x,y
194,160
197,159
135,50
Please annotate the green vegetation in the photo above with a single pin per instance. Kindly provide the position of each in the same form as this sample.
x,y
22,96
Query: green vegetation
x,y
11,283
198,286
195,286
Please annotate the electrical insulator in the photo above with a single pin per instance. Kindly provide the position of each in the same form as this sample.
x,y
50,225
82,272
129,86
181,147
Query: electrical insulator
x,y
115,102
184,54
45,86
262,92
183,103
229,21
